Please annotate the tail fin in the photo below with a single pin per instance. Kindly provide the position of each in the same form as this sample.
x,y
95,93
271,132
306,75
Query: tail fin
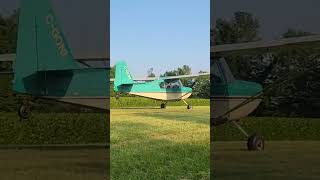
x,y
122,75
41,42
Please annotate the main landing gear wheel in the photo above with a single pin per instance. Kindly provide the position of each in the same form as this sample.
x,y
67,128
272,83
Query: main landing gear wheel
x,y
188,105
255,143
24,112
163,106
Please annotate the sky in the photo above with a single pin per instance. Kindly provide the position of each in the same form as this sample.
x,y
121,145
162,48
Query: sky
x,y
160,34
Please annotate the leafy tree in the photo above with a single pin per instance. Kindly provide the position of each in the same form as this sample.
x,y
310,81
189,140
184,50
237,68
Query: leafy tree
x,y
184,70
201,87
112,71
150,73
8,33
292,73
243,27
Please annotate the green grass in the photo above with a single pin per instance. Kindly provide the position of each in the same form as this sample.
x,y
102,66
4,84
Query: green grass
x,y
54,128
168,143
285,160
53,164
144,102
272,128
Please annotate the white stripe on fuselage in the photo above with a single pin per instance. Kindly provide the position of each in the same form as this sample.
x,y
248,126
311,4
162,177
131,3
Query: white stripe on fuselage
x,y
166,96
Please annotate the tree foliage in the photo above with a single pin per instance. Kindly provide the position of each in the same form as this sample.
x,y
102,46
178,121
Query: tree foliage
x,y
150,73
242,28
290,75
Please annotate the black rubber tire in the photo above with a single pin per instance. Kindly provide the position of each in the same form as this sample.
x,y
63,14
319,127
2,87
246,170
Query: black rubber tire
x,y
189,106
255,143
24,112
163,106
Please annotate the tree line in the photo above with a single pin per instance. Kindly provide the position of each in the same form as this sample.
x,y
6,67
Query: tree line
x,y
291,74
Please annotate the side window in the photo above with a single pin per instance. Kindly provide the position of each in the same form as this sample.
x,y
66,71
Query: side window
x,y
216,74
162,85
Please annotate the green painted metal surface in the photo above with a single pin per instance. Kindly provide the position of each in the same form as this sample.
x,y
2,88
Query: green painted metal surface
x,y
124,83
122,76
45,65
236,88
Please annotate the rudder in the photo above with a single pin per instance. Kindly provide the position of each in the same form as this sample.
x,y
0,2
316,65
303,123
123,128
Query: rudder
x,y
41,44
122,75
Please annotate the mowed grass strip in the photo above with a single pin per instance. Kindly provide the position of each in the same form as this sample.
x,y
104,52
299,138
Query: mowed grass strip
x,y
54,128
146,102
271,128
54,164
285,160
170,143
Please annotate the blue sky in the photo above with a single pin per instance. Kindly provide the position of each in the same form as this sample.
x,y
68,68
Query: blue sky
x,y
160,34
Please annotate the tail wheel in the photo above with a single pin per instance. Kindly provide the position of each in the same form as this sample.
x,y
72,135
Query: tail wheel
x,y
255,143
24,111
163,106
189,106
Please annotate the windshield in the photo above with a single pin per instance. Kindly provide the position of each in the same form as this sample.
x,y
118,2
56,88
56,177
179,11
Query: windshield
x,y
221,72
171,84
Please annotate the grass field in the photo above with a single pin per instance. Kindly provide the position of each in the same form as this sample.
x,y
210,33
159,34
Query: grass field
x,y
170,143
272,128
54,128
146,102
283,160
73,164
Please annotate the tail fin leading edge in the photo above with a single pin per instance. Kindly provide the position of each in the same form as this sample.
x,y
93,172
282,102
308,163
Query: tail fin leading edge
x,y
41,38
122,76
41,44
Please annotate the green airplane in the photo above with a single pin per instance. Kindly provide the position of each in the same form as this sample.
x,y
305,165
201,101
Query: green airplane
x,y
164,89
44,66
232,99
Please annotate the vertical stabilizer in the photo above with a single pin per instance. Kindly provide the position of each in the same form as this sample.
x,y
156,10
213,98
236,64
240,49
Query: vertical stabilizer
x,y
41,44
122,75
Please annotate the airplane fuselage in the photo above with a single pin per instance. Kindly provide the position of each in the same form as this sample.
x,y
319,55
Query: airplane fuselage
x,y
157,89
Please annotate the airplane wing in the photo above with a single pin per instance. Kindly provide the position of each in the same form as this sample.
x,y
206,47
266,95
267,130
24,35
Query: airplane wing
x,y
312,40
186,76
140,79
7,57
169,77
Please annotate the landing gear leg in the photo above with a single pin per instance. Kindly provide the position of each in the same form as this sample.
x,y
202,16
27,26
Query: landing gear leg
x,y
188,105
163,105
255,142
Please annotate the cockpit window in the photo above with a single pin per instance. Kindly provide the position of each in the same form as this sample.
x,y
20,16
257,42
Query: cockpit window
x,y
221,72
171,84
